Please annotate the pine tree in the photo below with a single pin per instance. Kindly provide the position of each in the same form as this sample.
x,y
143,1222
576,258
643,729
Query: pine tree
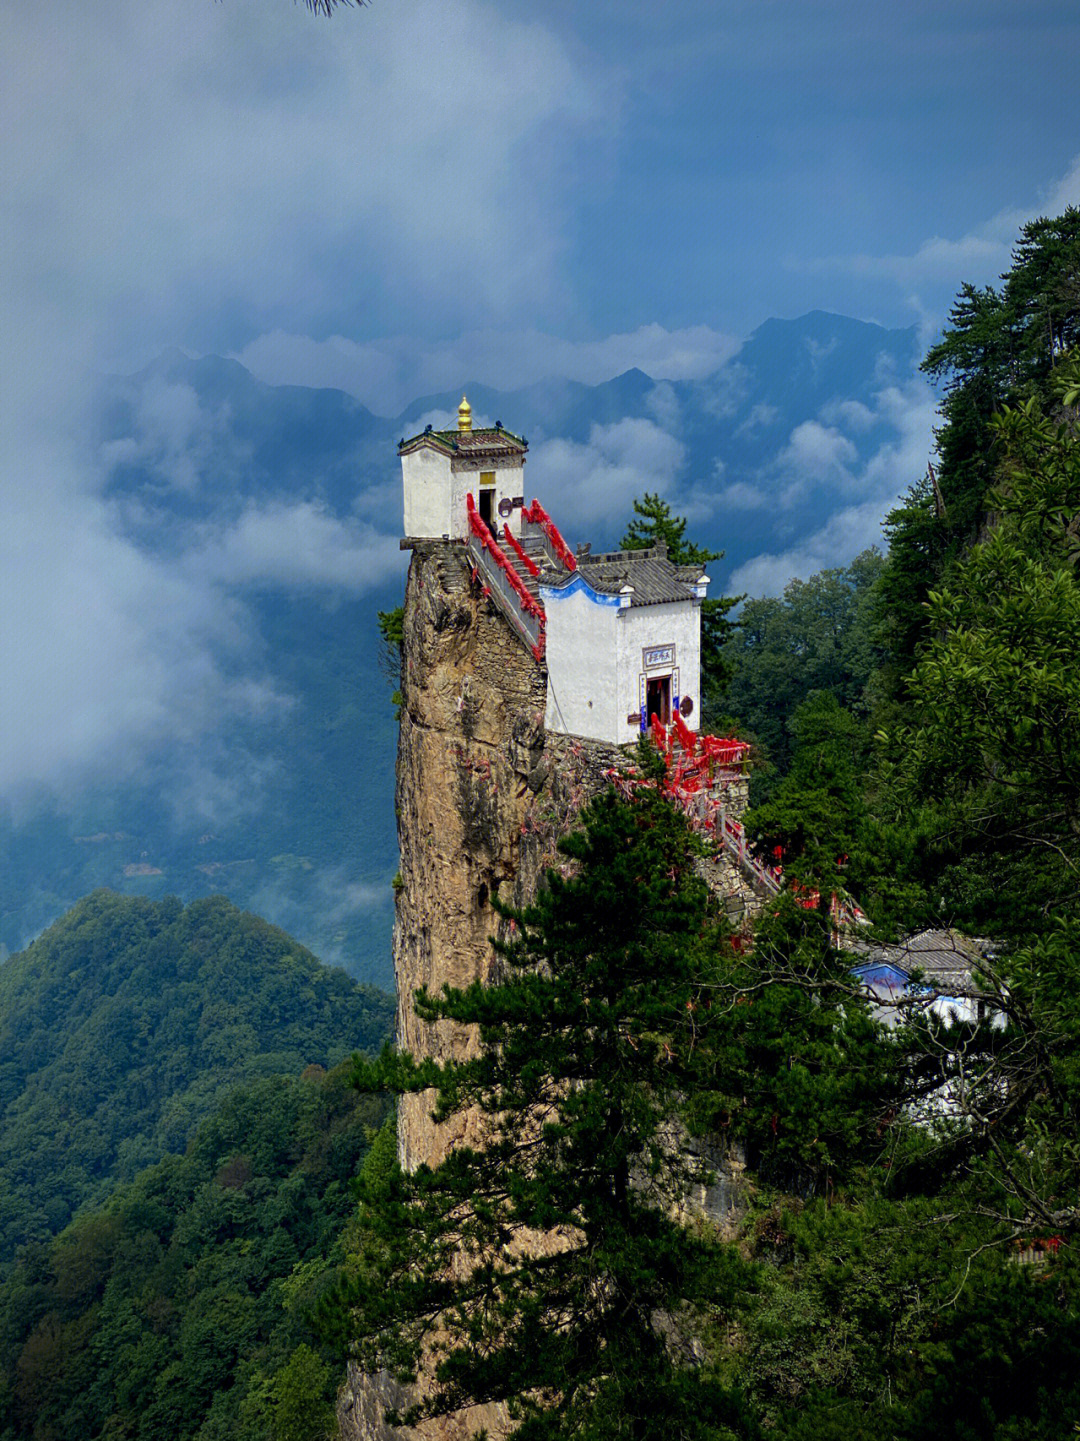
x,y
550,1269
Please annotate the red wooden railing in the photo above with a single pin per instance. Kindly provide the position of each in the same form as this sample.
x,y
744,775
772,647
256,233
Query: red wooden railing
x,y
724,752
492,552
537,515
515,545
687,740
479,528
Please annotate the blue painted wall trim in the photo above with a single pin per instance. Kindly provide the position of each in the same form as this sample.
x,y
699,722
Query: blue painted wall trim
x,y
578,585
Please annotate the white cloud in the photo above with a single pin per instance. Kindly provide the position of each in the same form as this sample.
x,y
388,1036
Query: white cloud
x,y
931,275
407,159
182,176
760,417
591,487
342,898
741,496
106,651
816,455
885,477
852,415
296,546
180,442
662,403
386,374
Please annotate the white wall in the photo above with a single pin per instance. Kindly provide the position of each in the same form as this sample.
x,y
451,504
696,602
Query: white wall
x,y
509,482
677,624
594,658
425,478
435,487
582,696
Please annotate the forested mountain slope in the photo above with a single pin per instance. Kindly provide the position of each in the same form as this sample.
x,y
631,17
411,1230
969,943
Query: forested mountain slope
x,y
179,1308
126,1023
906,1267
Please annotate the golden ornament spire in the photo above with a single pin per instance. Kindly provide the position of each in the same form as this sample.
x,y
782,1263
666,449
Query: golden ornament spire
x,y
464,415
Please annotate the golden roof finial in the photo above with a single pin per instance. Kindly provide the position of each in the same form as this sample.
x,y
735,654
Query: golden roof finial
x,y
464,415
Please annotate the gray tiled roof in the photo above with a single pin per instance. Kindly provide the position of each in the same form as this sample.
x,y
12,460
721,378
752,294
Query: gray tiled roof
x,y
947,959
487,441
653,577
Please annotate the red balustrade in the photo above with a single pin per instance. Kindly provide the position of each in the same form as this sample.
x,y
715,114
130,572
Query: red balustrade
x,y
526,560
537,515
687,739
479,528
724,752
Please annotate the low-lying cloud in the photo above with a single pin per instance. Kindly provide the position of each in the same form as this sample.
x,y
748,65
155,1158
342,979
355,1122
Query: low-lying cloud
x,y
819,459
590,488
201,177
300,546
106,649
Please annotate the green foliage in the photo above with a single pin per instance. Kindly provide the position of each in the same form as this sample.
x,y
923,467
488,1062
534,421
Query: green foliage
x,y
592,1038
816,637
180,1308
995,693
392,646
1000,348
880,1318
654,523
299,1408
122,1026
391,626
818,814
802,1076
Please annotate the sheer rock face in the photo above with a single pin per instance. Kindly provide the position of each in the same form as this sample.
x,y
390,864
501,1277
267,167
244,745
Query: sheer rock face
x,y
483,795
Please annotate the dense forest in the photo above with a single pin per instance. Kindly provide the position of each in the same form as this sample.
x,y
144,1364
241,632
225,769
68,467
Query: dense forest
x,y
180,1308
177,1146
123,1025
904,1265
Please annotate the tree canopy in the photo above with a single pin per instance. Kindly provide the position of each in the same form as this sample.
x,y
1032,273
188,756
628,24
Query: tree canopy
x,y
537,1267
180,1308
123,1024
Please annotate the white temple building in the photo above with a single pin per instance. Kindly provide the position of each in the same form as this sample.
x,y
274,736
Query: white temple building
x,y
619,633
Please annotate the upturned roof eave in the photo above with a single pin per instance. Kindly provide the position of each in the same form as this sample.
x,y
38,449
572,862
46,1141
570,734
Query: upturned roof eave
x,y
449,441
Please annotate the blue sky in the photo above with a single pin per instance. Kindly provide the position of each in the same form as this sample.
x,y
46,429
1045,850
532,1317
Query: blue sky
x,y
414,193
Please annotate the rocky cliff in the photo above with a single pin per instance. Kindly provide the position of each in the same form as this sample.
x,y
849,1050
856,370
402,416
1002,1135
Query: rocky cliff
x,y
483,795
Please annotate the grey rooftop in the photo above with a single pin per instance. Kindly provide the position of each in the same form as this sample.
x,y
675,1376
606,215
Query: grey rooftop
x,y
655,580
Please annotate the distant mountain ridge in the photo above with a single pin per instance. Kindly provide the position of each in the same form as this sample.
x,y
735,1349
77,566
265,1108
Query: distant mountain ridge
x,y
288,440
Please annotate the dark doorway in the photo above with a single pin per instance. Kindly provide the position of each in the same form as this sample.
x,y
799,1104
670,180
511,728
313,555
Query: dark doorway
x,y
658,699
487,508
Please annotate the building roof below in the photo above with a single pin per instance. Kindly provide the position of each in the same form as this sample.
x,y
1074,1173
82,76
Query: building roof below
x,y
652,578
947,960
